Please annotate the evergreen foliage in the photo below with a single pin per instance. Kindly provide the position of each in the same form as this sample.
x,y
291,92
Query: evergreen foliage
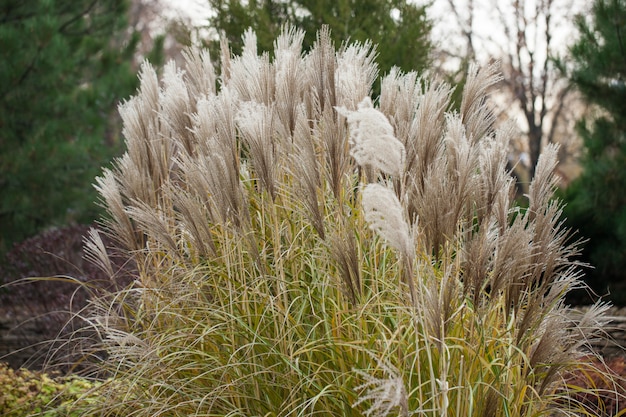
x,y
64,64
596,201
399,28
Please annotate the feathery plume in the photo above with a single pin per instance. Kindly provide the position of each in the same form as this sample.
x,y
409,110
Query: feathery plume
x,y
399,97
320,65
306,169
194,216
355,74
256,124
426,125
386,393
371,138
156,224
421,135
461,162
96,252
345,252
176,107
252,76
337,161
200,72
118,224
496,186
544,183
290,83
477,116
224,58
383,212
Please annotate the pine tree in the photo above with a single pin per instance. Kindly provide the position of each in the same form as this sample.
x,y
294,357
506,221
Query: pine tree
x,y
597,201
399,28
64,65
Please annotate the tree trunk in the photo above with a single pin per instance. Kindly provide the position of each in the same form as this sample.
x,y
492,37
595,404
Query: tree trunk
x,y
535,135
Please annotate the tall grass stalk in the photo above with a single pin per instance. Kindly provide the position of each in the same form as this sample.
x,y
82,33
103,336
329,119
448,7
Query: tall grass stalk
x,y
303,251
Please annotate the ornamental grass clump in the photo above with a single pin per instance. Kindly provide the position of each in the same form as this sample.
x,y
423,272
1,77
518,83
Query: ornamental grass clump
x,y
302,249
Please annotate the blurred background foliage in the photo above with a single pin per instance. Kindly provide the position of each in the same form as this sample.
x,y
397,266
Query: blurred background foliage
x,y
66,65
400,28
596,200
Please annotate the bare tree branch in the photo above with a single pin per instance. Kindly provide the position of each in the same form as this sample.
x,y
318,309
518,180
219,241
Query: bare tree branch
x,y
524,35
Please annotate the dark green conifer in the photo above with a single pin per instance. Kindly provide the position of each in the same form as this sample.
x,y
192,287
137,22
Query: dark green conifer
x,y
597,200
64,65
400,28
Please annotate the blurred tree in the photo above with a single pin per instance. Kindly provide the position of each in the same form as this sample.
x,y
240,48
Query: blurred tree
x,y
524,36
597,199
64,65
400,28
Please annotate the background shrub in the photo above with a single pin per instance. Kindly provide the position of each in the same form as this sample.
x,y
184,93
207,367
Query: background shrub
x,y
596,203
64,65
27,393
